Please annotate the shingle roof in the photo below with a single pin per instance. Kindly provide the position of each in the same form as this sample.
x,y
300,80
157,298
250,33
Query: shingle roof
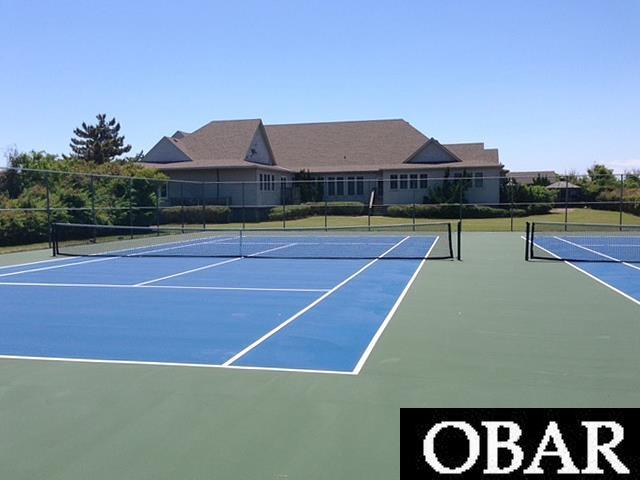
x,y
527,178
217,144
321,147
562,185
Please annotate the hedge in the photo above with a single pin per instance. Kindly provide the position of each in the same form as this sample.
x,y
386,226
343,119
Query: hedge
x,y
452,211
293,212
195,215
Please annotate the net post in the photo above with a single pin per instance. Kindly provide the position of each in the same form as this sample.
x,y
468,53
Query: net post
x,y
54,240
526,242
459,232
532,239
204,212
240,246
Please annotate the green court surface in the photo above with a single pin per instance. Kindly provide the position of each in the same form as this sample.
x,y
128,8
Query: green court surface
x,y
490,331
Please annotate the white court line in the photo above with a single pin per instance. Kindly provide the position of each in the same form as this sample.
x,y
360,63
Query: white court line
x,y
596,252
211,265
308,307
171,364
94,260
17,265
177,287
593,277
383,325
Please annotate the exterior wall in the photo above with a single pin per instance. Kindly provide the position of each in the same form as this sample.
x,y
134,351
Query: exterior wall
x,y
258,151
164,152
432,153
349,189
488,192
227,192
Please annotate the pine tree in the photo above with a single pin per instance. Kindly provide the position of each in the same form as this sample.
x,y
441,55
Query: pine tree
x,y
99,143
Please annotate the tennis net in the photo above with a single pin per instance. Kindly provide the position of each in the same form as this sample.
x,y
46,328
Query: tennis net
x,y
405,241
583,242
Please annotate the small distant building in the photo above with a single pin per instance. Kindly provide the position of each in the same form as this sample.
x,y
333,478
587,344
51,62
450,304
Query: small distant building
x,y
529,178
566,191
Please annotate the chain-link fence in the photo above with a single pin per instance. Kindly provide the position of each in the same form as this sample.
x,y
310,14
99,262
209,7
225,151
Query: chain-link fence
x,y
30,200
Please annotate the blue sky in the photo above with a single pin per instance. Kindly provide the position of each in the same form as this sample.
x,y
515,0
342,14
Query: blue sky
x,y
552,84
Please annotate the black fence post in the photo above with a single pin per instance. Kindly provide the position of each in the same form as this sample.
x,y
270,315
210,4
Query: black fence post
x,y
243,208
413,211
566,202
158,188
460,198
511,196
326,212
93,207
204,209
621,198
182,205
46,184
130,205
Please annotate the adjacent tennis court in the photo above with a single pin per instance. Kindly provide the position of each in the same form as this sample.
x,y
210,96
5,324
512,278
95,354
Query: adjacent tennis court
x,y
296,300
610,254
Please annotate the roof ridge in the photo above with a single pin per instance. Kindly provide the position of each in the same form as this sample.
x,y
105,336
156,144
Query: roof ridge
x,y
336,122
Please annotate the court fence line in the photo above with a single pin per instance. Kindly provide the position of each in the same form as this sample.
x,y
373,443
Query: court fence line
x,y
110,199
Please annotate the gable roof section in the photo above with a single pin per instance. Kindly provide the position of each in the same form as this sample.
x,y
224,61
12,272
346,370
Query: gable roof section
x,y
217,144
343,145
371,145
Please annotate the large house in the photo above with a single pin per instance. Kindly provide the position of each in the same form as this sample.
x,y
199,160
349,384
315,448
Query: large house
x,y
348,160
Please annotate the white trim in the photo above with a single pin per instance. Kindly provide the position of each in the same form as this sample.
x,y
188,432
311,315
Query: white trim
x,y
387,320
596,252
178,287
17,265
308,307
593,277
211,265
171,364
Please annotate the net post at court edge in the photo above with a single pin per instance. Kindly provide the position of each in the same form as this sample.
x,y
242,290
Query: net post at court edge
x,y
526,242
459,234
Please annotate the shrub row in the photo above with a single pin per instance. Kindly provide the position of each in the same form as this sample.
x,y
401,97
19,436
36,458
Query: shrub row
x,y
195,215
293,212
468,211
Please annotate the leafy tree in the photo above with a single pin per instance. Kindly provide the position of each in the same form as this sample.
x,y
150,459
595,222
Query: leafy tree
x,y
310,191
541,181
451,191
602,176
100,143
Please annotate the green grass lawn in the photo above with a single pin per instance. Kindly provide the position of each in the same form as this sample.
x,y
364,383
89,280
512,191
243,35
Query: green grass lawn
x,y
578,215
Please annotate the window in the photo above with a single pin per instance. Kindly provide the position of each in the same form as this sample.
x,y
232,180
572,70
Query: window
x,y
351,186
261,182
403,182
360,185
339,185
478,180
457,175
424,180
283,182
413,180
394,182
164,190
273,183
331,187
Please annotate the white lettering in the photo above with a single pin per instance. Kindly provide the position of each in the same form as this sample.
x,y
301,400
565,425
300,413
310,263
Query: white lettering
x,y
430,454
494,445
606,449
552,433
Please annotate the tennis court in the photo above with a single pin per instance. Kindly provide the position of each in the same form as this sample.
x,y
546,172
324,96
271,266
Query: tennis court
x,y
297,300
610,254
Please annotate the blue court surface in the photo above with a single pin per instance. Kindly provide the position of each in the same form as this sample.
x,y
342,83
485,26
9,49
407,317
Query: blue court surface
x,y
601,257
310,315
